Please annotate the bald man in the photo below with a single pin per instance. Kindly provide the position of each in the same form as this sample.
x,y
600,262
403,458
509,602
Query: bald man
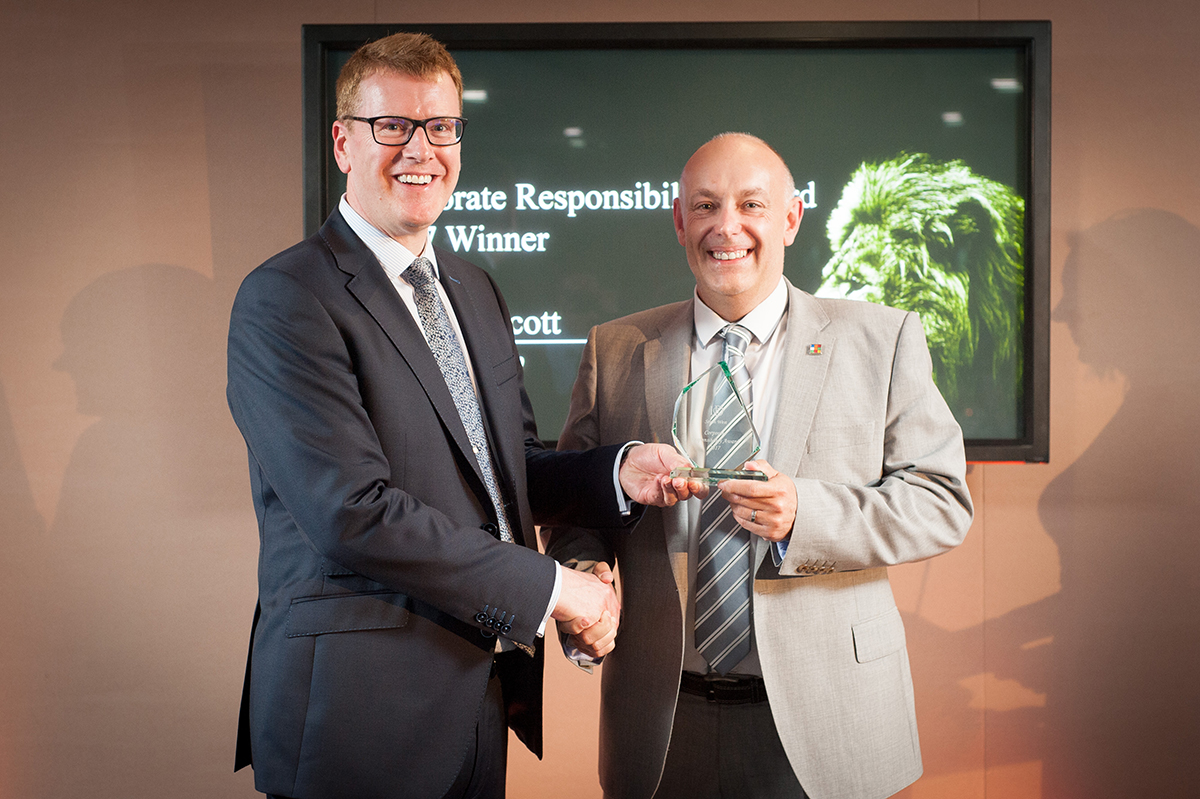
x,y
809,689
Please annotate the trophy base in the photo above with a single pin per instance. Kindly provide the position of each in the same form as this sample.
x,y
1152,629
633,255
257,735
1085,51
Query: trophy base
x,y
713,476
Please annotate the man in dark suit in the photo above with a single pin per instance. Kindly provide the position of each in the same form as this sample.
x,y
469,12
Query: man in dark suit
x,y
394,463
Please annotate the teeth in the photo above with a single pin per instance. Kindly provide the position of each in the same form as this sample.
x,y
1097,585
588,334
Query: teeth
x,y
418,179
729,256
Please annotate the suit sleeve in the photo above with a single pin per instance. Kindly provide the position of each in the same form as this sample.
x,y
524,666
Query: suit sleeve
x,y
579,546
295,395
919,505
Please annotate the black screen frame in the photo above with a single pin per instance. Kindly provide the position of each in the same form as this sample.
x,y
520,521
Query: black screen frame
x,y
1031,37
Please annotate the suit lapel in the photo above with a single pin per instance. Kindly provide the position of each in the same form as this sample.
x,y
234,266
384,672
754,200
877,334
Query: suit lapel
x,y
667,361
370,286
806,357
482,344
668,358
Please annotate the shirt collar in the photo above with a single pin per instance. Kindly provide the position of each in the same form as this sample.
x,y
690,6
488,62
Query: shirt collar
x,y
393,256
762,321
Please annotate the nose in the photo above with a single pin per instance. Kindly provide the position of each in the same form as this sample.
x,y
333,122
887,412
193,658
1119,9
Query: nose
x,y
728,222
418,147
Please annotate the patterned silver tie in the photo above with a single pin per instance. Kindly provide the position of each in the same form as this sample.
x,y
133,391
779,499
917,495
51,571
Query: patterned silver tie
x,y
452,362
723,583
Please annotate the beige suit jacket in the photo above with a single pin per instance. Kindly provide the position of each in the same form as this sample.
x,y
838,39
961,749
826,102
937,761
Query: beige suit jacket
x,y
879,468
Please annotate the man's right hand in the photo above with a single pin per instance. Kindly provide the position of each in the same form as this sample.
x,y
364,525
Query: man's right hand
x,y
588,609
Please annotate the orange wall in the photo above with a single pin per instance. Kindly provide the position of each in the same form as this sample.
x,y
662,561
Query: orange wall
x,y
152,157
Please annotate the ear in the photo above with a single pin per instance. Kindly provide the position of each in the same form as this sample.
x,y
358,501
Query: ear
x,y
677,216
792,227
341,132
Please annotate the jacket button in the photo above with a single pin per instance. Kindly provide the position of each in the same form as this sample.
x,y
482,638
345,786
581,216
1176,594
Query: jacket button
x,y
491,529
506,629
481,617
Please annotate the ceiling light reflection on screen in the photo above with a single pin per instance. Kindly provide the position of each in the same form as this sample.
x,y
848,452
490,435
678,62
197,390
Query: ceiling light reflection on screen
x,y
1006,85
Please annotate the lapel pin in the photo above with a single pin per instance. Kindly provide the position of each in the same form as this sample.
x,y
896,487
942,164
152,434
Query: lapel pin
x,y
814,349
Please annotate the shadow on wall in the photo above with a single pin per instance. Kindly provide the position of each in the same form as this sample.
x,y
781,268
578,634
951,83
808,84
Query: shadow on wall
x,y
1114,651
141,546
22,564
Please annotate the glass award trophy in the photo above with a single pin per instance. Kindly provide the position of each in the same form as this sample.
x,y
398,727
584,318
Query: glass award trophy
x,y
712,422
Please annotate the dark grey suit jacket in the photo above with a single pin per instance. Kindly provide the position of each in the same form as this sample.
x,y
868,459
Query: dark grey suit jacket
x,y
382,582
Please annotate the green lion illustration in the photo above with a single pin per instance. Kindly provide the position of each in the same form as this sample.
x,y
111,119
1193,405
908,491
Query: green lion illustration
x,y
934,237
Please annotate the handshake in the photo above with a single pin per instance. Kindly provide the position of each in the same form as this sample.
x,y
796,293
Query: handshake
x,y
588,609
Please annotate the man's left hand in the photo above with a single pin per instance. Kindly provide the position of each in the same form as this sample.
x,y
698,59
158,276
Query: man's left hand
x,y
646,476
767,509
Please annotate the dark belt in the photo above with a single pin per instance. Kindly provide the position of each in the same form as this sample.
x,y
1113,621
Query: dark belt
x,y
735,690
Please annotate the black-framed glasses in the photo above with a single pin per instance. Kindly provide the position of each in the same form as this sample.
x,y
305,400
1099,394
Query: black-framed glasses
x,y
392,131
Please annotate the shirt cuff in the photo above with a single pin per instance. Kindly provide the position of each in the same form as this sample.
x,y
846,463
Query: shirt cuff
x,y
779,551
624,503
585,662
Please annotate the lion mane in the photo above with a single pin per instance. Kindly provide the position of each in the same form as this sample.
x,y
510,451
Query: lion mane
x,y
934,237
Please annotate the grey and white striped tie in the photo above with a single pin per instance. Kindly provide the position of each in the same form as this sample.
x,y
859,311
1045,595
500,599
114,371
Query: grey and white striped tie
x,y
723,583
450,359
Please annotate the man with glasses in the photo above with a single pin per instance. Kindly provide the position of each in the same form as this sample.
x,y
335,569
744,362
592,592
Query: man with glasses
x,y
397,477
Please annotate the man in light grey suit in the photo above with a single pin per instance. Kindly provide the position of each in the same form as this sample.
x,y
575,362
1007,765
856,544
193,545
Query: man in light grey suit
x,y
866,469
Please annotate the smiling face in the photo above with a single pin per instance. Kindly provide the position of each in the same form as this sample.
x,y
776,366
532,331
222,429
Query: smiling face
x,y
735,214
400,190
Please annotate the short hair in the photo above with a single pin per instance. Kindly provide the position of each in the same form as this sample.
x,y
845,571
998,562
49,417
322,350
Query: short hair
x,y
415,54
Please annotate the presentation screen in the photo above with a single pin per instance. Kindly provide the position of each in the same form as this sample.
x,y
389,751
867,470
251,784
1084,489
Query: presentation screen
x,y
919,153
